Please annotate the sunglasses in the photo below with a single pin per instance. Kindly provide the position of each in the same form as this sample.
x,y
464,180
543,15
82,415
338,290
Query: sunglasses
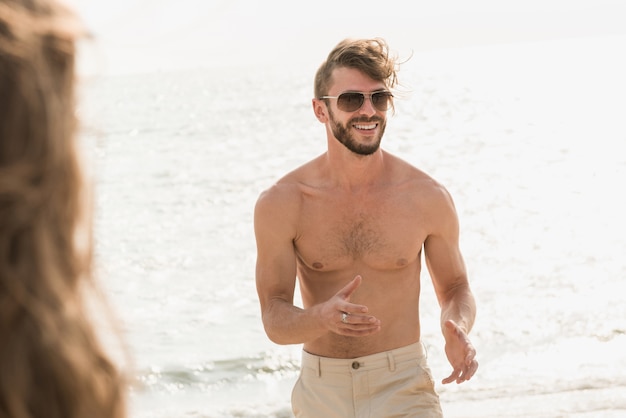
x,y
352,100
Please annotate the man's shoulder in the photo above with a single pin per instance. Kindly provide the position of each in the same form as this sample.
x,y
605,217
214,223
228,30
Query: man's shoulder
x,y
287,190
291,184
280,193
413,175
276,206
427,195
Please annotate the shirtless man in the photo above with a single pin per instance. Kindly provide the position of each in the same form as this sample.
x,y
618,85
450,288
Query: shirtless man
x,y
351,225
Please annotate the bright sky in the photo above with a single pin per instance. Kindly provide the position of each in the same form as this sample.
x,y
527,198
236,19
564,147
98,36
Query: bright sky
x,y
140,35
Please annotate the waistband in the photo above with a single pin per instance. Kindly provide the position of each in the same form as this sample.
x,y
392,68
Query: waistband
x,y
384,359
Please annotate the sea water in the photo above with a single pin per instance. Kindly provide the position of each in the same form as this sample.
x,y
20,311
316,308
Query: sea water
x,y
528,138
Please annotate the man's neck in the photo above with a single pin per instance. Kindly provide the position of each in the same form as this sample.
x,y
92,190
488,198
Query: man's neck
x,y
355,172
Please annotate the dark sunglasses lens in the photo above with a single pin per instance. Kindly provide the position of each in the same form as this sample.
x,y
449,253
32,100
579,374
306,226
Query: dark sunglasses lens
x,y
349,102
382,100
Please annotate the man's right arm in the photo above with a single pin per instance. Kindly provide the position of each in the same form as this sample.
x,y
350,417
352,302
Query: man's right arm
x,y
275,226
275,220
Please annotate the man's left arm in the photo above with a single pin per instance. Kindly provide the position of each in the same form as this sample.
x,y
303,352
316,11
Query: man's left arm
x,y
447,270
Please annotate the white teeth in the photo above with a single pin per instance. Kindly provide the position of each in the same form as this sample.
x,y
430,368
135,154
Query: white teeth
x,y
372,126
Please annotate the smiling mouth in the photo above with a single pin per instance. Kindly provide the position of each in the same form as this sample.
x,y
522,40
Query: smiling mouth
x,y
365,127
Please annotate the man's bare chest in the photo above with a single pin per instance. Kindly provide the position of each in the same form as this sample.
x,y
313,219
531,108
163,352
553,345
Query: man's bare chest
x,y
335,234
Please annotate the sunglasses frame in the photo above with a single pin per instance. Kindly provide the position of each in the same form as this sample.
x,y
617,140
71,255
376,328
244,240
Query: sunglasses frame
x,y
364,96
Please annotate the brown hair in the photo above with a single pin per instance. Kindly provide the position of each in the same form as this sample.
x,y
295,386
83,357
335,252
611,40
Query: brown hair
x,y
51,362
371,56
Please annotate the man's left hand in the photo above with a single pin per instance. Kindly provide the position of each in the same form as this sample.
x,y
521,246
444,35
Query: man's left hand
x,y
460,352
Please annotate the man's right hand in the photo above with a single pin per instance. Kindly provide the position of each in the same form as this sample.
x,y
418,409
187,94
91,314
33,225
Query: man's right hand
x,y
345,318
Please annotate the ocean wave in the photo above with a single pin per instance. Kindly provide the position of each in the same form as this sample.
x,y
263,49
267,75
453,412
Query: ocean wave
x,y
214,374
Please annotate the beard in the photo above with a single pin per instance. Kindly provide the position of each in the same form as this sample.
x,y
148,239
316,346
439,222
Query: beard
x,y
343,135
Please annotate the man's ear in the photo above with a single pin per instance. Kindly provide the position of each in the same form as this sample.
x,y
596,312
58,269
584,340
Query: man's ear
x,y
320,110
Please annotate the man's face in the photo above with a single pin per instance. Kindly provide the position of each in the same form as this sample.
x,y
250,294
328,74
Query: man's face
x,y
361,130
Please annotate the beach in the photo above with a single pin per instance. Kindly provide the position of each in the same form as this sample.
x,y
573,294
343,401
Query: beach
x,y
528,139
189,111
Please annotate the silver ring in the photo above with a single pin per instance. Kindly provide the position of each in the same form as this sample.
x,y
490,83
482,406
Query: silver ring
x,y
344,317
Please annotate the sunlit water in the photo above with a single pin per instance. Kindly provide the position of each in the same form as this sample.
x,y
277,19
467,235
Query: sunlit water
x,y
528,139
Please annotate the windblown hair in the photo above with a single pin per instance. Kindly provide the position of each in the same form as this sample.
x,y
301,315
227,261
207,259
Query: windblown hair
x,y
52,364
370,56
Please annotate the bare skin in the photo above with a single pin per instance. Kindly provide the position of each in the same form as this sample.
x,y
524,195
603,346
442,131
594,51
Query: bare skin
x,y
351,228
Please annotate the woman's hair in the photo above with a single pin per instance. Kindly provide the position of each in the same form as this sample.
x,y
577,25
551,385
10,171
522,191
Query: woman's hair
x,y
370,56
52,364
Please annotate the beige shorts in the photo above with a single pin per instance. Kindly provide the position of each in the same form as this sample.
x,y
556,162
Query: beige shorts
x,y
395,383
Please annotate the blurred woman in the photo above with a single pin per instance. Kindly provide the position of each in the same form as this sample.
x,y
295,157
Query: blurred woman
x,y
52,364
